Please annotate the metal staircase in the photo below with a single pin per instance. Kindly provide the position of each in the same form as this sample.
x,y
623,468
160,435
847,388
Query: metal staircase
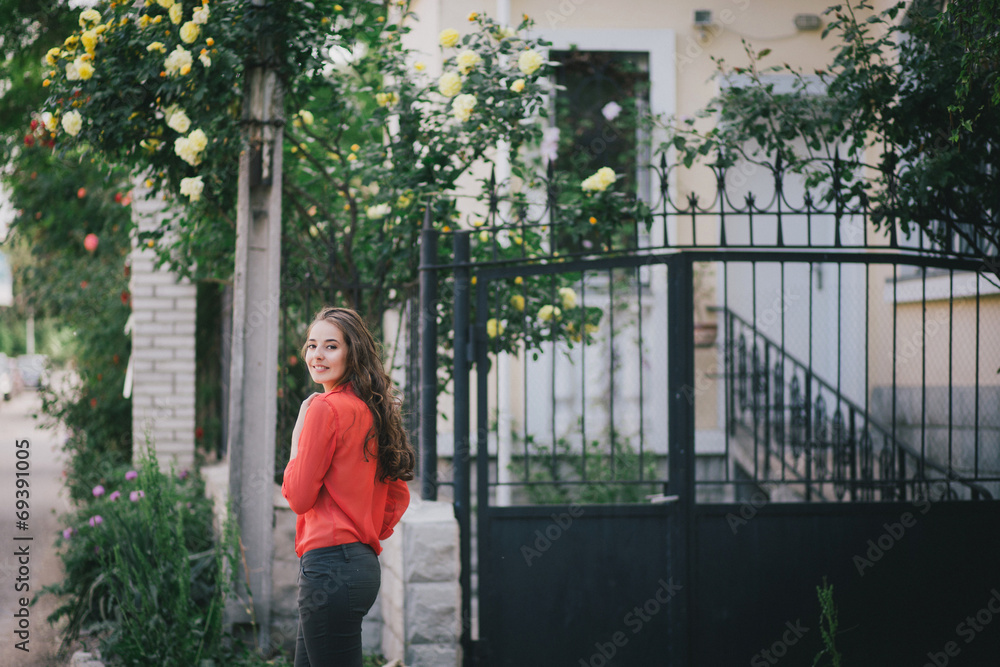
x,y
794,428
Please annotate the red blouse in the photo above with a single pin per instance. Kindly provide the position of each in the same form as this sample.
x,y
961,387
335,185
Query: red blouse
x,y
332,485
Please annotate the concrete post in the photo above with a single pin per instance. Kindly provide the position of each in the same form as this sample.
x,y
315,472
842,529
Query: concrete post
x,y
254,345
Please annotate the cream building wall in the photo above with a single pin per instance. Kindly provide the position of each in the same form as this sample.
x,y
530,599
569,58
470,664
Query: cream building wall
x,y
682,83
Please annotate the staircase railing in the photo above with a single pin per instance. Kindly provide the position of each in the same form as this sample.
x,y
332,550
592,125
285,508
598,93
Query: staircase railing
x,y
800,434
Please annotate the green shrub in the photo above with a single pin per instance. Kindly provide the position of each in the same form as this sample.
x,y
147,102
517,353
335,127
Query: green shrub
x,y
144,566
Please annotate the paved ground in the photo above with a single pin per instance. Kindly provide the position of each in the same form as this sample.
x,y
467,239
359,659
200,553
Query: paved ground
x,y
47,502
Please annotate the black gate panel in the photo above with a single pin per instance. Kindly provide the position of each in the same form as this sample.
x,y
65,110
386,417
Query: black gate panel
x,y
914,583
576,585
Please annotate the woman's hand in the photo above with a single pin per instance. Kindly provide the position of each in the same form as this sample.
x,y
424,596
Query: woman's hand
x,y
297,430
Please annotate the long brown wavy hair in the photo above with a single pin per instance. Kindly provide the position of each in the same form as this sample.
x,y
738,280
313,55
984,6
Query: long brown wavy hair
x,y
370,382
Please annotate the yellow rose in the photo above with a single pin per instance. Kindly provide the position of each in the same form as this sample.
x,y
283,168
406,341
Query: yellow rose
x,y
568,298
189,31
448,38
473,16
200,15
484,236
517,86
89,16
494,328
176,13
420,66
85,70
52,56
144,21
518,280
386,99
529,61
599,181
166,4
548,313
355,148
517,302
467,61
89,40
450,84
462,107
157,46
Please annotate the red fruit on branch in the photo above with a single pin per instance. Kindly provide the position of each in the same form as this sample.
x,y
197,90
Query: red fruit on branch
x,y
81,193
90,242
34,124
29,140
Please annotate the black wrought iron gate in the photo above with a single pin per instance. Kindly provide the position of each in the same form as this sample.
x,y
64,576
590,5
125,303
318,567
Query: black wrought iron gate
x,y
691,575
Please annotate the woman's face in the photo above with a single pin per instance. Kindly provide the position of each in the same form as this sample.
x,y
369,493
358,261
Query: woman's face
x,y
326,354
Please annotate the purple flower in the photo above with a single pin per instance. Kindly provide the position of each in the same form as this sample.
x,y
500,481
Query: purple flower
x,y
130,475
96,520
98,491
135,495
183,474
68,533
115,495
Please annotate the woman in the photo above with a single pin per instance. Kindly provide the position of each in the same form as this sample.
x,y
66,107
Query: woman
x,y
346,481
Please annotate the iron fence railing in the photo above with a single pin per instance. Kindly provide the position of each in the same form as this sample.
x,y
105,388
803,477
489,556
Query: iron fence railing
x,y
798,433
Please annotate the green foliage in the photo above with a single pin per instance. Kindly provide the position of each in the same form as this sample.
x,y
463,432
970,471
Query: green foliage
x,y
828,625
60,201
600,475
142,538
27,29
146,571
905,96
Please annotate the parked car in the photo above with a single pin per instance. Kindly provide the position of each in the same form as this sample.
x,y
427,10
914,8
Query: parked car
x,y
34,369
6,378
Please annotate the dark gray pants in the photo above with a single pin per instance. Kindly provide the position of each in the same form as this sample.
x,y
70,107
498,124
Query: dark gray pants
x,y
337,587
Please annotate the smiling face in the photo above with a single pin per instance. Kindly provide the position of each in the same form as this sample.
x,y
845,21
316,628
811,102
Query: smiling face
x,y
326,354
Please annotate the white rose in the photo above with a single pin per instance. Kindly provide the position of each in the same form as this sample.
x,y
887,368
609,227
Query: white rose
x,y
378,211
192,187
72,122
179,121
179,59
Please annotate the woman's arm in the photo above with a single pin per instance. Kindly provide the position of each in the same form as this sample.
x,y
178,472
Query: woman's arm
x,y
304,474
395,504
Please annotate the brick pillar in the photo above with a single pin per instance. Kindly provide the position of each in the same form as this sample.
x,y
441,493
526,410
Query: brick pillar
x,y
163,340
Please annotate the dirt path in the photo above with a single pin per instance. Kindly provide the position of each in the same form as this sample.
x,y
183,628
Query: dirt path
x,y
47,501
